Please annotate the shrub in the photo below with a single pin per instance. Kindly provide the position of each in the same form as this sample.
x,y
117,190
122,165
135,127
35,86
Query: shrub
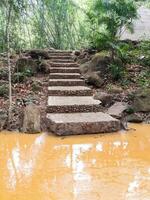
x,y
144,79
117,71
107,18
4,90
18,77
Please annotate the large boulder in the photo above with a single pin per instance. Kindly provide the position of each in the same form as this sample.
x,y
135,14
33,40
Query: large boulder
x,y
93,78
38,54
77,53
134,118
3,119
117,109
31,119
85,67
141,101
104,97
26,65
99,62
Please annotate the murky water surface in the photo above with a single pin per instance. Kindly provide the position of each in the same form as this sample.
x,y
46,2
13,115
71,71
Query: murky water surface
x,y
95,167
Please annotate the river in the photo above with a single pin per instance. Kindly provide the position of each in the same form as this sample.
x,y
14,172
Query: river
x,y
90,167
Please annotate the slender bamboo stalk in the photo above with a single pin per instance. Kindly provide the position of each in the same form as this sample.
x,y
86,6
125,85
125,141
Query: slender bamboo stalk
x,y
8,28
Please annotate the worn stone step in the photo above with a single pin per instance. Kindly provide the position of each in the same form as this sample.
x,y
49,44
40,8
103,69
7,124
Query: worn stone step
x,y
62,61
66,82
52,57
64,64
69,91
60,51
69,104
60,54
82,123
64,75
64,70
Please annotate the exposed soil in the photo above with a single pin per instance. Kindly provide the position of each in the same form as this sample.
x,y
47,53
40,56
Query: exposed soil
x,y
31,90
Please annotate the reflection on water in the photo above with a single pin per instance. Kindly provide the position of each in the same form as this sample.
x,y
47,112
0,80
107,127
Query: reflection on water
x,y
94,167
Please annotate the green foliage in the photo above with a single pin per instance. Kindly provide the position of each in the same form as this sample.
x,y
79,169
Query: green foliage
x,y
130,110
107,20
63,24
144,79
122,51
144,52
135,54
117,71
3,90
28,72
42,23
18,77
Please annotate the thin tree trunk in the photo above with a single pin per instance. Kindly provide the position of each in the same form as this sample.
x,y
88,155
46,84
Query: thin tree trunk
x,y
8,61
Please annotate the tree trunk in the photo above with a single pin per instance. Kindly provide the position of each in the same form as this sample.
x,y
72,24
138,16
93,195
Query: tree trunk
x,y
8,12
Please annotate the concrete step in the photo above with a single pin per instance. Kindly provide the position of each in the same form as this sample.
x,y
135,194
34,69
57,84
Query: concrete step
x,y
69,104
62,61
64,75
64,65
66,82
69,91
52,57
82,123
64,70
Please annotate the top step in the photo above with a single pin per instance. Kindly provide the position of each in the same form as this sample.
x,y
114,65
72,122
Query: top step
x,y
59,51
60,54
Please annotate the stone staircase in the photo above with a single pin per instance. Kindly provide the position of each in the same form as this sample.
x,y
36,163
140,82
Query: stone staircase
x,y
71,108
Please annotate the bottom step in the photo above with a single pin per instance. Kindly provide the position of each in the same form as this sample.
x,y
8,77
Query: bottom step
x,y
82,123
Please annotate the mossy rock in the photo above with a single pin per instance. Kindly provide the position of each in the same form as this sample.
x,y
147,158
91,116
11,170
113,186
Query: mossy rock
x,y
26,65
39,54
141,102
134,118
99,62
85,67
94,79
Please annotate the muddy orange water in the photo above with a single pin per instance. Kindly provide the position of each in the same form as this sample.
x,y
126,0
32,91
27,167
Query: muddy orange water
x,y
94,167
